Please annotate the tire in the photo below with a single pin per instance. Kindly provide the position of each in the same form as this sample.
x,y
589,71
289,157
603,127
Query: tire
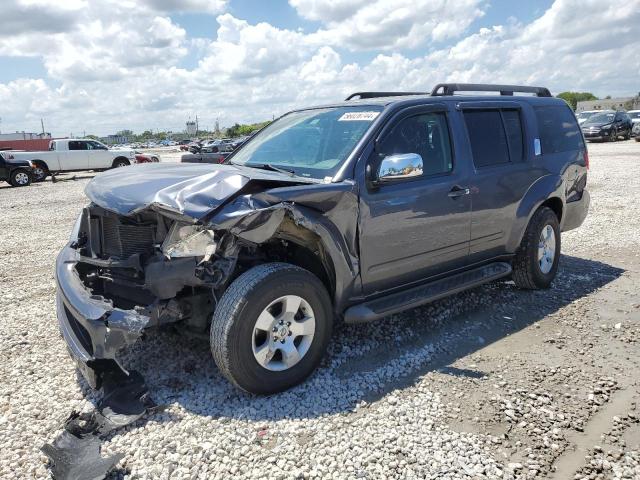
x,y
20,178
235,335
529,271
40,172
120,162
613,136
638,138
627,136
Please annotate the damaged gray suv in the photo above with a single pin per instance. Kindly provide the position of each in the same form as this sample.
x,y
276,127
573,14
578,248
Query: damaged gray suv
x,y
351,211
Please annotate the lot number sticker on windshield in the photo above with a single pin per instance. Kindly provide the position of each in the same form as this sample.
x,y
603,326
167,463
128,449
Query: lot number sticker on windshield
x,y
358,116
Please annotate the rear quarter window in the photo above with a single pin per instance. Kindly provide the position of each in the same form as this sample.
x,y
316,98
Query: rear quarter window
x,y
559,130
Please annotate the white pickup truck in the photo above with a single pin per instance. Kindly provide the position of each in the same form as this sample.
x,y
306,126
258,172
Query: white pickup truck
x,y
75,154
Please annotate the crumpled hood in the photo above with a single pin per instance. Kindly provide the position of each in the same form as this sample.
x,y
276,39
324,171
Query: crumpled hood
x,y
189,189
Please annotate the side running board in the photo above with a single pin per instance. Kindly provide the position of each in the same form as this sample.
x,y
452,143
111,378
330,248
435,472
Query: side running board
x,y
426,293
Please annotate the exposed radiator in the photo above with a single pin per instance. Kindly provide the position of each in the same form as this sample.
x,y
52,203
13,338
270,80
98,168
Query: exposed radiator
x,y
123,240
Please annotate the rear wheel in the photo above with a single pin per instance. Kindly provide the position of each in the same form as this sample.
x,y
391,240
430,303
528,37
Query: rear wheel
x,y
40,172
627,136
271,328
20,178
120,162
536,261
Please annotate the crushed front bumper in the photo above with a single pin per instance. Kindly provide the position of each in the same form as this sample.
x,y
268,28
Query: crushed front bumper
x,y
92,327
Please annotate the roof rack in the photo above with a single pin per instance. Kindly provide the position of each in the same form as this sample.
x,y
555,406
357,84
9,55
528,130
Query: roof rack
x,y
451,88
362,95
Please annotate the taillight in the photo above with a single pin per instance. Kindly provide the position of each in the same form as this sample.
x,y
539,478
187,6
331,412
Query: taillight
x,y
586,158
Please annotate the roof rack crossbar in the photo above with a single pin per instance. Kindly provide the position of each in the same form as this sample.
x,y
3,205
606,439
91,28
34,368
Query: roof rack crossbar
x,y
362,95
451,88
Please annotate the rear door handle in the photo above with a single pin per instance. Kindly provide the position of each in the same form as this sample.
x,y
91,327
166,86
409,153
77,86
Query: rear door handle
x,y
458,191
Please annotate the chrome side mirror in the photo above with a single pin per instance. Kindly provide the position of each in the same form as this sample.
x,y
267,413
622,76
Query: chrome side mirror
x,y
399,166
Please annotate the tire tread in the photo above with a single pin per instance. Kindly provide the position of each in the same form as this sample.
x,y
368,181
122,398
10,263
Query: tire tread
x,y
523,275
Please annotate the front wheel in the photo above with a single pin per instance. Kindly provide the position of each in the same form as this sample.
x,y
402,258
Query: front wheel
x,y
271,328
613,136
20,178
536,261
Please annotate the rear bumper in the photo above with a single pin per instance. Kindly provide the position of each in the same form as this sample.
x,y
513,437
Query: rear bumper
x,y
576,212
92,328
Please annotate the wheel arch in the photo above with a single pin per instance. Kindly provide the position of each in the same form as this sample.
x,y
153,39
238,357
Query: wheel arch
x,y
310,252
546,191
41,162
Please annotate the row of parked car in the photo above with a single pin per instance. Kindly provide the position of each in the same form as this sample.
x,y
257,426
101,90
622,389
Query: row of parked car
x,y
213,151
610,125
20,168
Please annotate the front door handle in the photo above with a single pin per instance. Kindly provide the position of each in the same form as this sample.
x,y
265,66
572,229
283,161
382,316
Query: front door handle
x,y
458,191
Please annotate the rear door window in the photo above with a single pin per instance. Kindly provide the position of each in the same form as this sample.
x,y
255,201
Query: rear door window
x,y
495,136
513,127
559,130
77,145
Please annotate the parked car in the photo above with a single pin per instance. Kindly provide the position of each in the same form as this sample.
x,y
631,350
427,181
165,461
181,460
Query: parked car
x,y
636,131
583,116
607,126
146,158
71,155
191,147
17,173
355,210
204,157
635,118
238,142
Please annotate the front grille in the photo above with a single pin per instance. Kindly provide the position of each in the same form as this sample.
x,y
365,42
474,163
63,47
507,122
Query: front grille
x,y
123,240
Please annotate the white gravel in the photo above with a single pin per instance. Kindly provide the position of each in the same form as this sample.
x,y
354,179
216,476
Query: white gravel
x,y
437,392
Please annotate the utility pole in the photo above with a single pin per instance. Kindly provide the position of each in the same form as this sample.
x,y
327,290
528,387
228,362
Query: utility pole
x,y
197,125
42,124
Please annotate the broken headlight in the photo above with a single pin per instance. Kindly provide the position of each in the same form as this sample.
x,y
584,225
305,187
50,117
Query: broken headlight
x,y
189,241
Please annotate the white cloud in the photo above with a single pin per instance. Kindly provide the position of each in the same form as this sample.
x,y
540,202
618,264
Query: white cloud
x,y
327,10
206,6
385,25
244,51
117,67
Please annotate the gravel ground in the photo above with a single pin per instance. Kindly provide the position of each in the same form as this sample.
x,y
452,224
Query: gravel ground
x,y
492,383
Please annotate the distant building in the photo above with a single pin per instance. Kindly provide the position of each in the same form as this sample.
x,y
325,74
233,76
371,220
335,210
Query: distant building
x,y
191,128
24,136
624,103
114,139
25,141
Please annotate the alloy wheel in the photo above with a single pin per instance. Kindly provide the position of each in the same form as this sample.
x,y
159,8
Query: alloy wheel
x,y
546,249
283,333
21,178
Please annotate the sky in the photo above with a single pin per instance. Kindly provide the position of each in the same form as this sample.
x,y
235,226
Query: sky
x,y
100,66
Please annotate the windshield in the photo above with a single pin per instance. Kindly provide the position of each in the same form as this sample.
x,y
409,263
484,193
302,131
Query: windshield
x,y
602,118
310,143
584,115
